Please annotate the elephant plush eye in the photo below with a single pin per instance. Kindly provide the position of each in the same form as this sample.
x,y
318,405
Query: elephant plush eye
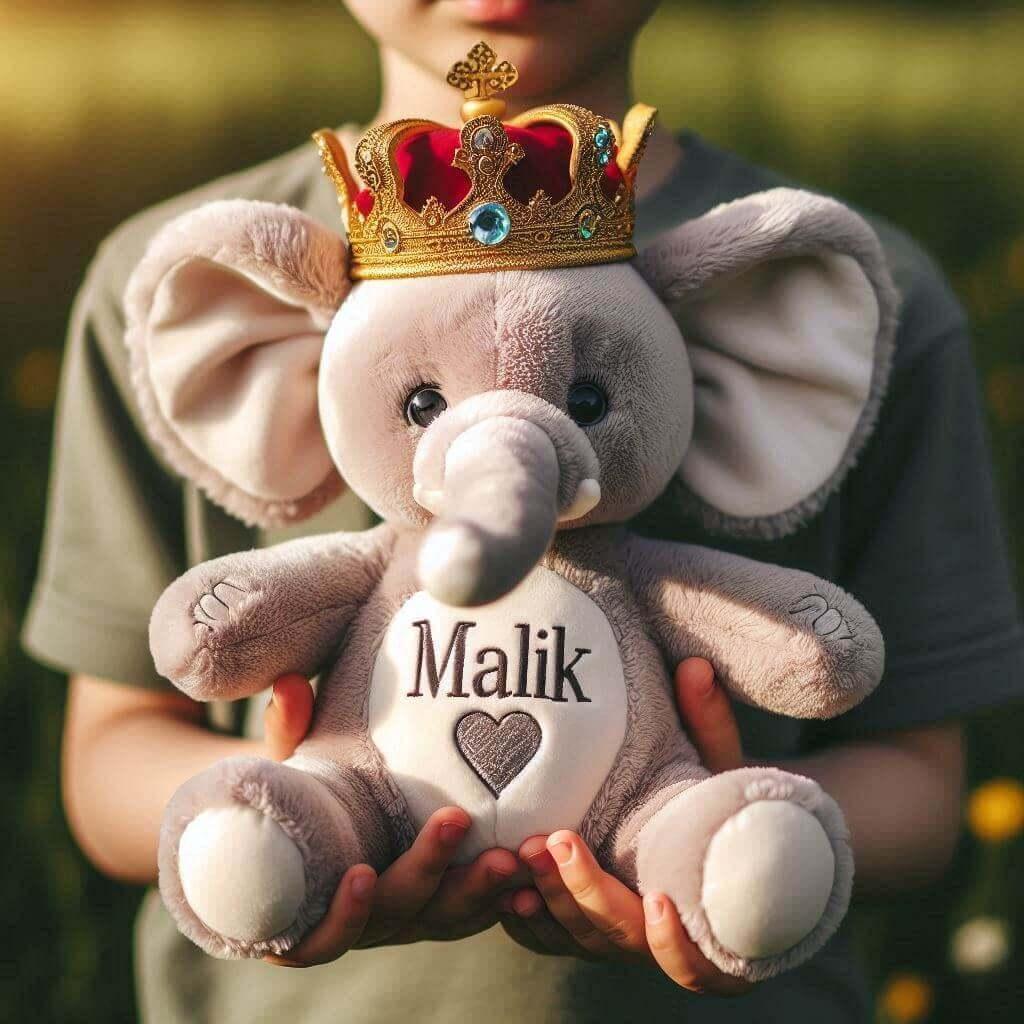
x,y
587,404
424,405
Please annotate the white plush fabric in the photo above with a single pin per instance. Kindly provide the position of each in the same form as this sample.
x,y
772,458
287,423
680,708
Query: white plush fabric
x,y
240,873
580,741
780,389
760,906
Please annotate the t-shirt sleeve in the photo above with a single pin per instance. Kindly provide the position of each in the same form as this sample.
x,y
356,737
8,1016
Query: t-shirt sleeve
x,y
114,523
923,546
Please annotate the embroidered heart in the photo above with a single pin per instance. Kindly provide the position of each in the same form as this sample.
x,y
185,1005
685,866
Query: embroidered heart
x,y
497,750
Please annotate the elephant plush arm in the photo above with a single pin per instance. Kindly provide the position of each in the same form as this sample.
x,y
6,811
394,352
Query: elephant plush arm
x,y
779,639
229,627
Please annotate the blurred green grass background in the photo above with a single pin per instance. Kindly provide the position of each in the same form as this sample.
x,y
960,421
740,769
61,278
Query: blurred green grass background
x,y
910,109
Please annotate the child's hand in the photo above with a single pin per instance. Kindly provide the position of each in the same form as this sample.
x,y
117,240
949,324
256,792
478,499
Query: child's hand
x,y
577,909
417,897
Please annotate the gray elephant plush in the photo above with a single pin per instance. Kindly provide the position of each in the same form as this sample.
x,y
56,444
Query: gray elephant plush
x,y
500,640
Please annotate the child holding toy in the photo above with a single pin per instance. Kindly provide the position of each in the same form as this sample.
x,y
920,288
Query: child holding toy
x,y
913,534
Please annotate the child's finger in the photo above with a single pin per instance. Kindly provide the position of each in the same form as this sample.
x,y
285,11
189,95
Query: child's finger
x,y
519,931
529,918
288,715
407,885
553,894
707,715
678,956
608,905
466,891
420,930
341,928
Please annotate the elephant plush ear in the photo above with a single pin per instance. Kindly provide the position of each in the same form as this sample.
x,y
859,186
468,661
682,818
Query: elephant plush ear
x,y
226,317
788,312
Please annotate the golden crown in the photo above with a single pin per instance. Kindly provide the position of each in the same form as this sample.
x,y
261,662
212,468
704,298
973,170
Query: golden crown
x,y
550,188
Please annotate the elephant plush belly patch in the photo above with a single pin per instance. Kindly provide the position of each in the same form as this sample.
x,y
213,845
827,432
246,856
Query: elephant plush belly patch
x,y
514,711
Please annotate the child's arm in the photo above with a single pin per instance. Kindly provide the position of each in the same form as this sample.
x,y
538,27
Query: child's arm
x,y
900,791
126,750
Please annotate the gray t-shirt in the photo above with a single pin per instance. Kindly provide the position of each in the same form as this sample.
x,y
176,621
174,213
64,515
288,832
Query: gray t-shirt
x,y
914,533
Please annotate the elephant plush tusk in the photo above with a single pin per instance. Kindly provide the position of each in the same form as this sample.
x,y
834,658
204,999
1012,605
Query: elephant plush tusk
x,y
429,498
588,497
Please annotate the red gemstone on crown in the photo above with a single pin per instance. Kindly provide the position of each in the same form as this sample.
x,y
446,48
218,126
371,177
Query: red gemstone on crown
x,y
364,202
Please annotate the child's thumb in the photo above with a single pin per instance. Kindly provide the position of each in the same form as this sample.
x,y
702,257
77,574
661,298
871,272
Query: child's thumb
x,y
288,715
707,716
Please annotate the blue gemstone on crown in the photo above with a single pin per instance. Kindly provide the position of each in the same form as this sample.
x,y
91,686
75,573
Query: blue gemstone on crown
x,y
603,157
489,223
602,138
586,222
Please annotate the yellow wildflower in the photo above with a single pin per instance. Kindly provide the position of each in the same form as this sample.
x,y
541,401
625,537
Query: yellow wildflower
x,y
995,810
907,998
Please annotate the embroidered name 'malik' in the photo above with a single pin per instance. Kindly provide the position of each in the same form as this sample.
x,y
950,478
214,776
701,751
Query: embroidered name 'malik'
x,y
541,673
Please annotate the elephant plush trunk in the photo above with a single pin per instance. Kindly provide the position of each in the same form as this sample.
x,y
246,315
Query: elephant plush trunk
x,y
498,485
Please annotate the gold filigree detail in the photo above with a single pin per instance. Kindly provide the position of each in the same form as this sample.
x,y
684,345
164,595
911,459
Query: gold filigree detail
x,y
486,166
365,166
541,207
481,76
433,212
335,165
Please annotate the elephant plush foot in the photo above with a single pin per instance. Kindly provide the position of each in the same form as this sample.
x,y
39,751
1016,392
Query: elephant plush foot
x,y
251,852
758,864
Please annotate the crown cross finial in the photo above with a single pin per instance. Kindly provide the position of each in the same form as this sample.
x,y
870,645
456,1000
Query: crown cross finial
x,y
480,77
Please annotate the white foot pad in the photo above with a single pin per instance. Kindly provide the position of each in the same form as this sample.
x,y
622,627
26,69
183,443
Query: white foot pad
x,y
768,875
240,873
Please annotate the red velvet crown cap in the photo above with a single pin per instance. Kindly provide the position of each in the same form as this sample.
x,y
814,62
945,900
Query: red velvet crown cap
x,y
424,163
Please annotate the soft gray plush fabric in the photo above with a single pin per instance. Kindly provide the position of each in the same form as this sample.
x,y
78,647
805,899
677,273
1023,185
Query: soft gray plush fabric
x,y
228,628
472,335
704,259
816,651
472,503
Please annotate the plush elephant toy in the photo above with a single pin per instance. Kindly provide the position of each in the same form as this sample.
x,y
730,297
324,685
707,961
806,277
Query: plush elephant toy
x,y
500,640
